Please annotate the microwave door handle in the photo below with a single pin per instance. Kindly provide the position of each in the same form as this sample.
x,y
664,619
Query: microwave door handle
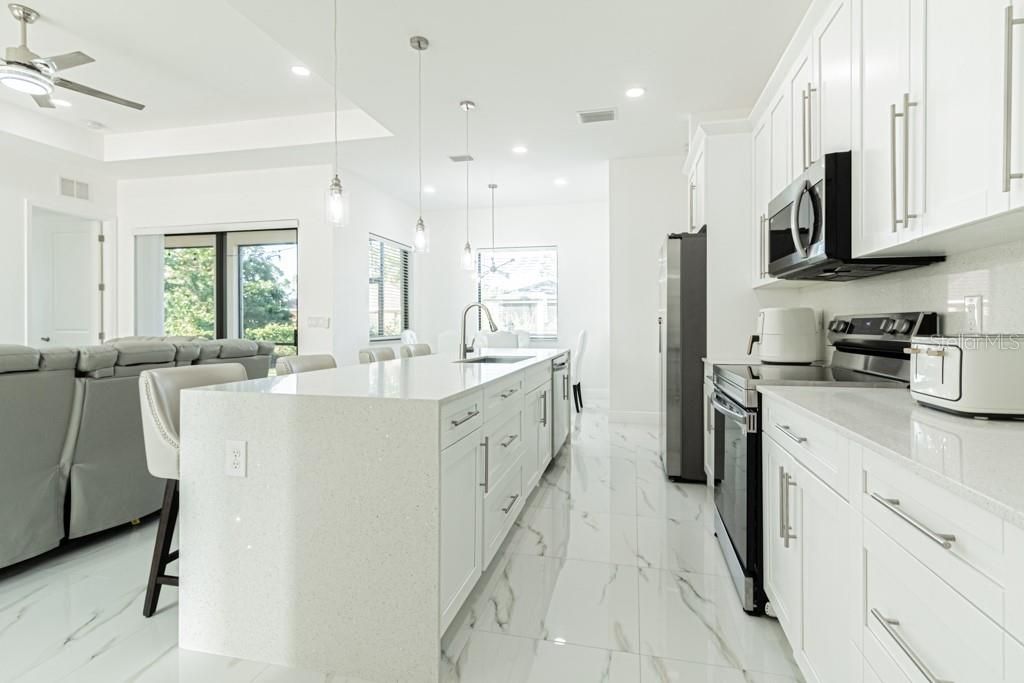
x,y
794,219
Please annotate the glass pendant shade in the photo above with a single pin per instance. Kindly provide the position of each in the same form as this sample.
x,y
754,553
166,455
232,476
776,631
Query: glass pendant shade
x,y
336,213
420,241
467,258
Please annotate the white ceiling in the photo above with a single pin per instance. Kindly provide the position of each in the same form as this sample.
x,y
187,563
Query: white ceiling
x,y
530,65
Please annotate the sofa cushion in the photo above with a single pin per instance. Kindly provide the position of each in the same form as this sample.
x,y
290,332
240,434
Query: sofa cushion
x,y
237,348
58,358
17,358
97,361
143,352
185,352
264,348
209,349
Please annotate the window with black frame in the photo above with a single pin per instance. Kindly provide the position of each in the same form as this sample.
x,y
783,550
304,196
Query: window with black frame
x,y
520,287
389,288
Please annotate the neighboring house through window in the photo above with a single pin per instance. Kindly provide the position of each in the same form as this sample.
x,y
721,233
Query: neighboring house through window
x,y
389,288
520,287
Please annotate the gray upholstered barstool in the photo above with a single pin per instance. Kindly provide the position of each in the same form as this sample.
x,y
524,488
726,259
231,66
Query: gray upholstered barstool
x,y
410,350
292,365
373,355
160,396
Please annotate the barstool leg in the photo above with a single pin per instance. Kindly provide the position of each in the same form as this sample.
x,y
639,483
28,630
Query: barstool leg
x,y
162,555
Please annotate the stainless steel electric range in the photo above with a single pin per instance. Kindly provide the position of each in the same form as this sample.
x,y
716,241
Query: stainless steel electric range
x,y
868,351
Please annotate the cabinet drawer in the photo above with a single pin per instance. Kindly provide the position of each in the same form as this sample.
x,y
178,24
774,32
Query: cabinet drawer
x,y
537,376
922,623
924,518
1014,584
503,440
502,394
501,507
814,445
460,417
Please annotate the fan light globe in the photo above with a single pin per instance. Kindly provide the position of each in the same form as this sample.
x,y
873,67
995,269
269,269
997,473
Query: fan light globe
x,y
25,80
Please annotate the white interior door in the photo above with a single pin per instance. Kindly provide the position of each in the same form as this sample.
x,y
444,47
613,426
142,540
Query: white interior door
x,y
64,254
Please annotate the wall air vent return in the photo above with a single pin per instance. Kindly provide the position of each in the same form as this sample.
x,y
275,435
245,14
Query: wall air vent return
x,y
461,158
75,189
596,115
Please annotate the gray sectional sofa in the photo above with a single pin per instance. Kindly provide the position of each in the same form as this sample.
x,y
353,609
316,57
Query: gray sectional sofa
x,y
72,458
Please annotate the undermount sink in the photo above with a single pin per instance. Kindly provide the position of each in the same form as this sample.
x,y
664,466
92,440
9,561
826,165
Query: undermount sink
x,y
495,359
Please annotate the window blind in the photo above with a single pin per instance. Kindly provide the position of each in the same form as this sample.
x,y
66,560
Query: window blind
x,y
389,288
520,287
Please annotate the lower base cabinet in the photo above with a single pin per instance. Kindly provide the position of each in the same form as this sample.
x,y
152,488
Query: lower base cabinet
x,y
501,507
462,499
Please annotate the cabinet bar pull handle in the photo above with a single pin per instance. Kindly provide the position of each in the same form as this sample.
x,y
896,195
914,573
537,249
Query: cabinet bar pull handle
x,y
509,440
544,409
907,104
785,430
764,247
890,625
803,128
1008,173
893,506
788,528
506,394
487,464
511,503
689,200
782,502
892,162
810,124
463,420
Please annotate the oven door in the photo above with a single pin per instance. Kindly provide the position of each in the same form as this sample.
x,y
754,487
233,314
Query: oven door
x,y
738,496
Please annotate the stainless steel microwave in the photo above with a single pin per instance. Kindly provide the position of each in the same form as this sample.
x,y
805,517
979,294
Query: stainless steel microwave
x,y
810,229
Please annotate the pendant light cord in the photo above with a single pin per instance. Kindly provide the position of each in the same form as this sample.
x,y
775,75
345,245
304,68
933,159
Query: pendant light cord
x,y
492,222
419,122
467,174
335,84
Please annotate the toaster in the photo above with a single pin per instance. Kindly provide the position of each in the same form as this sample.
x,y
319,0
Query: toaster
x,y
976,375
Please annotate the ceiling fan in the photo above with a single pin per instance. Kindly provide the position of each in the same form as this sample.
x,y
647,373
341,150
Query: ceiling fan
x,y
25,71
495,268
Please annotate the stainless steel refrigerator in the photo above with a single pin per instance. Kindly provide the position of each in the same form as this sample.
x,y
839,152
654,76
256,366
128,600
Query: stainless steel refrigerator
x,y
682,345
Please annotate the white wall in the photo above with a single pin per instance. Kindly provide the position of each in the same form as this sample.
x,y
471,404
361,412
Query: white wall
x,y
580,231
996,273
332,261
647,201
30,176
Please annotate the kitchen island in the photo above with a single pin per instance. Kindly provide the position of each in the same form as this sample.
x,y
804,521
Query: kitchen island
x,y
368,503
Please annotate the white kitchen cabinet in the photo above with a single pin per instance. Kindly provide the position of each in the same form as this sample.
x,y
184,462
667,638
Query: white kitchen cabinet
x,y
780,148
536,434
762,166
782,538
825,574
890,153
461,523
800,88
964,81
561,406
831,99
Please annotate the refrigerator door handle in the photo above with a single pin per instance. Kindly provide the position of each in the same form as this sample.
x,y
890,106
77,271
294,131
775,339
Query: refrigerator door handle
x,y
659,334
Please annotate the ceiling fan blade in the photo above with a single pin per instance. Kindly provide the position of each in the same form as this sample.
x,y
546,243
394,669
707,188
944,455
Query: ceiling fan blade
x,y
43,101
69,60
93,92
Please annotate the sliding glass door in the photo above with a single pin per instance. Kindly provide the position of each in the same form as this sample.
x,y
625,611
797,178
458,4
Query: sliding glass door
x,y
239,284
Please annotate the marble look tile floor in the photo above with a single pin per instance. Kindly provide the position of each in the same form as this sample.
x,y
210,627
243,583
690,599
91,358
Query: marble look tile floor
x,y
611,575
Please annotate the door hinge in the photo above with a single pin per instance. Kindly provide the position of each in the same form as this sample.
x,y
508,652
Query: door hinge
x,y
102,287
101,238
103,336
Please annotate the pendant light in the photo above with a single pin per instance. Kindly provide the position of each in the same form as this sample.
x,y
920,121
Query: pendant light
x,y
420,241
336,214
467,251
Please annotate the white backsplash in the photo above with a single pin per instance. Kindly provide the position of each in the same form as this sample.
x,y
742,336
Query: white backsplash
x,y
995,273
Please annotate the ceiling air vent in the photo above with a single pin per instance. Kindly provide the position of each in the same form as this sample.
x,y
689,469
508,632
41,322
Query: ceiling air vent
x,y
596,115
461,158
75,189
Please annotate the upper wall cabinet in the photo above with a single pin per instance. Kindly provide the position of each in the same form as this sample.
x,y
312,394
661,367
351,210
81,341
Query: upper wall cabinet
x,y
831,97
697,193
800,89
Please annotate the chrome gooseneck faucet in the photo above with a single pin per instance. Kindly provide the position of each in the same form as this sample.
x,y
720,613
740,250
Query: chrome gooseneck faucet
x,y
467,348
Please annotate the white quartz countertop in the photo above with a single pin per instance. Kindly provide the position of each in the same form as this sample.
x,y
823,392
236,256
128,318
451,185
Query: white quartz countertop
x,y
436,377
982,460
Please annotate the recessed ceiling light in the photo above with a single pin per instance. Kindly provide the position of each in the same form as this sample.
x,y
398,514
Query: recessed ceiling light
x,y
634,93
561,181
429,189
520,149
60,103
300,70
95,125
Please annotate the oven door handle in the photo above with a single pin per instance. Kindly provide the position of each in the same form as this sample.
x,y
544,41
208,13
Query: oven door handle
x,y
794,218
727,410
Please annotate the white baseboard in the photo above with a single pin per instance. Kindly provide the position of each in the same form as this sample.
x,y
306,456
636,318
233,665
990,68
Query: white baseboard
x,y
633,417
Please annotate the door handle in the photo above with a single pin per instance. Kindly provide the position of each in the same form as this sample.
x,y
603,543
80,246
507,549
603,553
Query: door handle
x,y
788,534
659,334
506,394
893,506
764,248
810,124
509,440
487,464
890,624
794,219
463,420
1008,173
892,164
45,339
785,430
544,409
907,104
689,200
511,503
803,128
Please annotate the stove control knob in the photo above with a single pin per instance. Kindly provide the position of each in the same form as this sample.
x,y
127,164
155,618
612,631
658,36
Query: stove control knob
x,y
903,326
888,325
839,326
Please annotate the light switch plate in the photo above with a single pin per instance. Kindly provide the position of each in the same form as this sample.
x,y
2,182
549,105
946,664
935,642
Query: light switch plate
x,y
235,458
321,321
973,313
